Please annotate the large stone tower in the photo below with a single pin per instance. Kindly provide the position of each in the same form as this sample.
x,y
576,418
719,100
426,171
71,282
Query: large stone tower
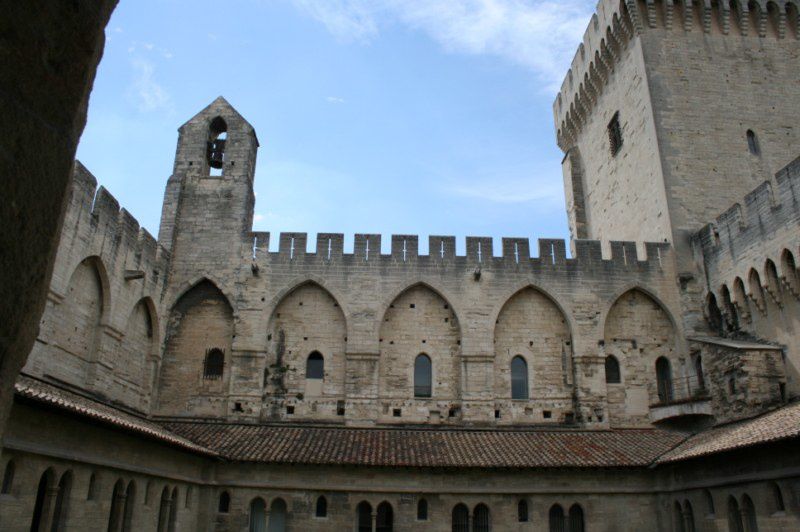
x,y
208,203
673,111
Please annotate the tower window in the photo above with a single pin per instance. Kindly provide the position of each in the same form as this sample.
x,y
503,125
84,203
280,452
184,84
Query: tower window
x,y
752,143
614,135
215,149
214,364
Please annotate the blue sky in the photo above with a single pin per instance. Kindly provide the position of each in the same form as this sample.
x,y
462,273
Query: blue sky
x,y
380,116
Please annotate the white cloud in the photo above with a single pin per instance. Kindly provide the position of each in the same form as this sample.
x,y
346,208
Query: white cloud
x,y
348,20
334,99
508,191
258,217
541,35
148,93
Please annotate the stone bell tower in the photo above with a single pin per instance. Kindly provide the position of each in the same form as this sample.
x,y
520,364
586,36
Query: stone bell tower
x,y
208,203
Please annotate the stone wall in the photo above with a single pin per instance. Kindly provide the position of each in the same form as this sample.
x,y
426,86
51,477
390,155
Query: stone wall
x,y
749,258
97,459
101,328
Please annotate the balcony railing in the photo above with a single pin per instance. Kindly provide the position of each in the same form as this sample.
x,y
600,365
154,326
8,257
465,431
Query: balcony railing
x,y
681,390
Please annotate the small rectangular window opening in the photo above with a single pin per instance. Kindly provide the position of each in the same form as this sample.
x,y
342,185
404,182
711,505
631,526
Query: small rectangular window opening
x,y
615,135
397,412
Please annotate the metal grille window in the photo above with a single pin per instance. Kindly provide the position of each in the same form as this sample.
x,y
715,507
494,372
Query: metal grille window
x,y
460,518
214,364
615,135
556,519
385,518
481,519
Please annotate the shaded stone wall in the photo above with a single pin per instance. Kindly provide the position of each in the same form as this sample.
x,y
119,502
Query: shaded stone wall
x,y
50,55
749,255
45,443
101,330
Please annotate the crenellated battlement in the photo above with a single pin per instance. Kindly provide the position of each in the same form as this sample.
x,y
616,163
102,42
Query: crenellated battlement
x,y
746,250
105,217
480,251
769,205
617,22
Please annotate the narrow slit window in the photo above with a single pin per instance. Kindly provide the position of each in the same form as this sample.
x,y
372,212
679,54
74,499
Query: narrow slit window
x,y
423,382
752,143
615,135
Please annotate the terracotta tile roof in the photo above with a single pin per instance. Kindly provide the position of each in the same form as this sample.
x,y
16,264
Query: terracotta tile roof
x,y
780,424
42,392
431,447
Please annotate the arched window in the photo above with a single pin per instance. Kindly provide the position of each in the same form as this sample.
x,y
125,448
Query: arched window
x,y
127,511
714,315
117,506
710,510
480,519
62,502
519,378
734,517
163,510
612,370
215,149
730,308
364,516
460,518
385,518
315,366
789,271
45,483
277,516
8,477
756,290
741,297
773,283
423,378
422,510
677,518
777,498
752,143
322,507
91,492
258,515
698,371
688,515
214,364
173,510
522,511
664,380
576,518
749,513
556,518
224,505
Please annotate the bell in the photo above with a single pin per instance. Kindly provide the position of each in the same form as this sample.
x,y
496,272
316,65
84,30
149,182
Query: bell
x,y
216,153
